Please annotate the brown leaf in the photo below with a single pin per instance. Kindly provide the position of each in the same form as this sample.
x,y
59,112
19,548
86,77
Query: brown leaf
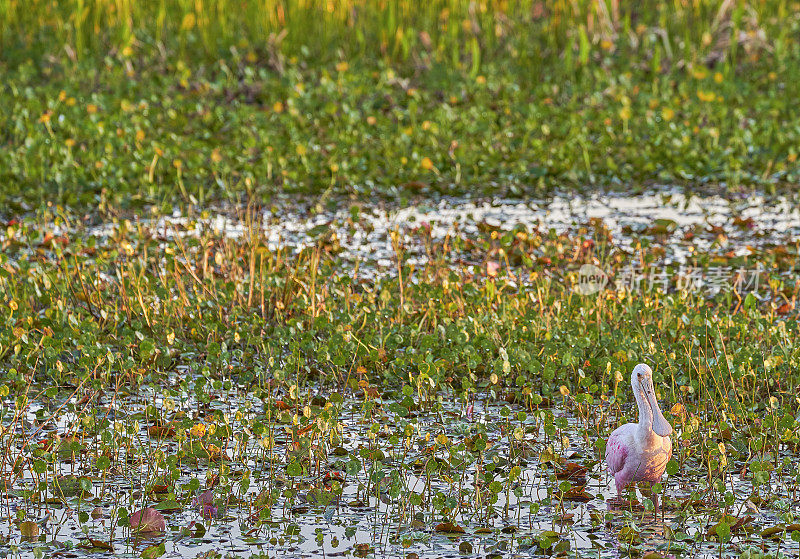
x,y
371,392
571,470
100,544
578,494
161,431
281,405
29,530
566,518
450,528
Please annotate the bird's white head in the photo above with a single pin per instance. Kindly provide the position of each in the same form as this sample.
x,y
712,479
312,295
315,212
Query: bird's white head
x,y
642,383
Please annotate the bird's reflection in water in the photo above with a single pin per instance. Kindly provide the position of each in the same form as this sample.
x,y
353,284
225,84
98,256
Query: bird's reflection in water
x,y
630,522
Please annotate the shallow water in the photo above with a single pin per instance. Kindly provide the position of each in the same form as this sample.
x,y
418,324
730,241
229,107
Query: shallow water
x,y
375,506
297,525
734,224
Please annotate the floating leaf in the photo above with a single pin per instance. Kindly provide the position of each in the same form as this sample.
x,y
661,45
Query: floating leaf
x,y
449,527
154,551
578,494
29,530
147,521
168,505
100,544
571,471
776,532
629,535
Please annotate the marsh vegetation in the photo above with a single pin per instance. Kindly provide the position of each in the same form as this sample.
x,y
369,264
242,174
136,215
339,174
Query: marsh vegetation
x,y
298,278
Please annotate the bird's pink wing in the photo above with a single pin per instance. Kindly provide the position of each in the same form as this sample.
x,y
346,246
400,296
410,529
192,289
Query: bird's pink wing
x,y
616,453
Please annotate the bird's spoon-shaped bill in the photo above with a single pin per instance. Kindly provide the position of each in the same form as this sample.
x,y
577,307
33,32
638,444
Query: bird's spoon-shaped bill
x,y
661,426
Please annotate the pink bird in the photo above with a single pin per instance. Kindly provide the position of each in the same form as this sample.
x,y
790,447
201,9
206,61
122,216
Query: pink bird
x,y
640,451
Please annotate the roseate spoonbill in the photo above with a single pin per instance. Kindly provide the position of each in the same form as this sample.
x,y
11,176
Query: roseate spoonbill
x,y
640,451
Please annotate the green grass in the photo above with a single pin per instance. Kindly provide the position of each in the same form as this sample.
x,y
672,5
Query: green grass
x,y
528,104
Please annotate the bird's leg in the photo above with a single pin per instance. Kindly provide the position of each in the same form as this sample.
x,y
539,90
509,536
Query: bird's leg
x,y
648,493
621,483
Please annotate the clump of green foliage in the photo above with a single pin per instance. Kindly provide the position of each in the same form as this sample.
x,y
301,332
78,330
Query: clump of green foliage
x,y
117,104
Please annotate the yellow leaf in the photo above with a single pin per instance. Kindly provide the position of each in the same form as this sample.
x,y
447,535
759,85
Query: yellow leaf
x,y
189,21
706,96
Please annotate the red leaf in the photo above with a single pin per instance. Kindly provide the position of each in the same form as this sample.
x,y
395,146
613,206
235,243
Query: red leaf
x,y
786,308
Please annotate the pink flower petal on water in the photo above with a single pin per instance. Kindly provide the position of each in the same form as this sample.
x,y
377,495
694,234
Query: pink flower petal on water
x,y
205,504
148,520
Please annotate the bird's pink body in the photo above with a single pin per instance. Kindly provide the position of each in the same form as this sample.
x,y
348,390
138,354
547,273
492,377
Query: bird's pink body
x,y
640,451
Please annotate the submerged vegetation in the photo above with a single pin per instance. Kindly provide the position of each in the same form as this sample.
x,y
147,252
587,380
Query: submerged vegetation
x,y
169,387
